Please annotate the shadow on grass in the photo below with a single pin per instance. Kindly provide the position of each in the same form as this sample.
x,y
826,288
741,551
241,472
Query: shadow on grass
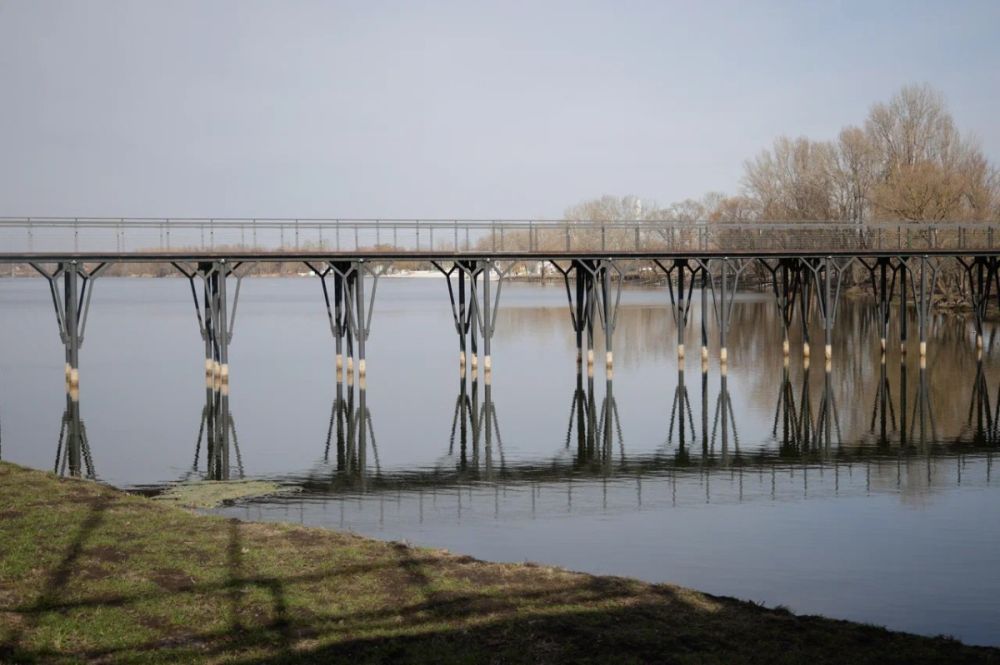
x,y
60,576
443,609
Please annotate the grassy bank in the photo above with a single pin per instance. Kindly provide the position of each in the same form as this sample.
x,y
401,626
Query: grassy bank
x,y
90,573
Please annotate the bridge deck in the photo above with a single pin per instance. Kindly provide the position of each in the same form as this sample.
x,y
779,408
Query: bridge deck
x,y
277,256
147,239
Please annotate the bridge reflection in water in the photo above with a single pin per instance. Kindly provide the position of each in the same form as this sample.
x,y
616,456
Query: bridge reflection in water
x,y
700,460
73,456
805,454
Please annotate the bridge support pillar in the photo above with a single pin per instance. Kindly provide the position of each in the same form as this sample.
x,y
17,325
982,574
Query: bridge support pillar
x,y
680,299
609,311
215,319
705,282
883,274
827,276
71,302
582,298
462,309
903,267
983,275
597,291
921,273
474,310
786,281
730,271
350,316
215,322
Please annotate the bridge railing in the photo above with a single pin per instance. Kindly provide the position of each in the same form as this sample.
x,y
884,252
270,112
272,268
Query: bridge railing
x,y
525,237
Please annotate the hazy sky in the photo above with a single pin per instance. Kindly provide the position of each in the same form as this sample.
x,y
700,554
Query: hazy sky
x,y
450,109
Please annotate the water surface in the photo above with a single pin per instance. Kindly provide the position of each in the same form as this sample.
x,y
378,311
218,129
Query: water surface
x,y
866,493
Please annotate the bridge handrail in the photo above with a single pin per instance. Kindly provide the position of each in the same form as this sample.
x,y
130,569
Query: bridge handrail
x,y
290,222
529,236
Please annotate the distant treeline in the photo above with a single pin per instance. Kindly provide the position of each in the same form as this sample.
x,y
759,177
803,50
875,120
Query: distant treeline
x,y
907,162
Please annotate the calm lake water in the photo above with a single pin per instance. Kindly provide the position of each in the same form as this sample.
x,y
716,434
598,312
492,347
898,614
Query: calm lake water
x,y
868,494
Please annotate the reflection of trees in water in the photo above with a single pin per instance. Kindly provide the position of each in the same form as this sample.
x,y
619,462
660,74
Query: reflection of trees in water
x,y
805,437
806,459
859,375
861,378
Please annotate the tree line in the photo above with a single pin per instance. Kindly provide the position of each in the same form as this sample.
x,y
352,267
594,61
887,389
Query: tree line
x,y
907,162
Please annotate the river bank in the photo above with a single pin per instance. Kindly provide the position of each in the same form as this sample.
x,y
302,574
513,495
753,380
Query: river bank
x,y
90,573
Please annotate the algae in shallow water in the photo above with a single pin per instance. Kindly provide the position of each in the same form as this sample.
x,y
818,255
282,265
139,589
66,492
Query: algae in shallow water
x,y
213,493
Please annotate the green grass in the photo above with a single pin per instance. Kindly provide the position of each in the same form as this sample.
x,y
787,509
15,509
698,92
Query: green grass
x,y
88,573
212,493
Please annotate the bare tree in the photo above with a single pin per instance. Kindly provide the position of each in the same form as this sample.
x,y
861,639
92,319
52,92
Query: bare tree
x,y
926,170
909,163
854,166
794,180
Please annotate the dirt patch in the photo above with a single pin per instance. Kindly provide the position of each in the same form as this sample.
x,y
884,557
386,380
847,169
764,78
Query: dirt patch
x,y
10,514
304,538
200,556
92,572
486,574
107,554
87,499
139,506
453,603
159,624
172,579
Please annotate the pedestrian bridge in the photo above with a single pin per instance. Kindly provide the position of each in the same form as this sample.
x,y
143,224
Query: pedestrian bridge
x,y
804,263
146,238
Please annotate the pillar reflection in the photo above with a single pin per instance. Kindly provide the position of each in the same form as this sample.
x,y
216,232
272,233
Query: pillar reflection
x,y
595,428
73,457
351,434
217,429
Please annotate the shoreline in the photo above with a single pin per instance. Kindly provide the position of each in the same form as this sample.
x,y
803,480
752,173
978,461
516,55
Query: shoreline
x,y
123,577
